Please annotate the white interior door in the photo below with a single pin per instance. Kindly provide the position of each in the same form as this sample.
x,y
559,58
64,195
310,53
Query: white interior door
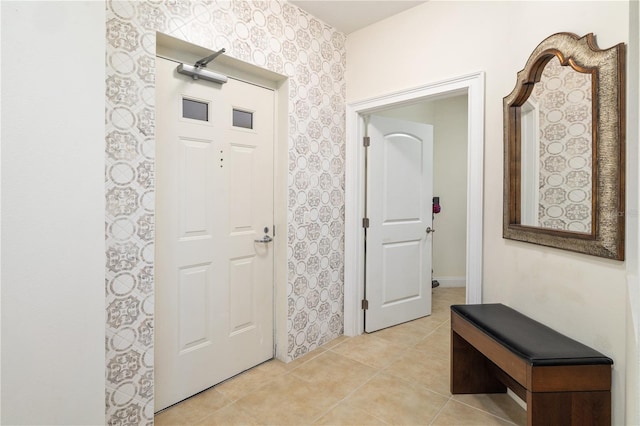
x,y
399,208
214,199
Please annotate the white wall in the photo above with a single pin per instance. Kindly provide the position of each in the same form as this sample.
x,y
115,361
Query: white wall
x,y
53,213
582,296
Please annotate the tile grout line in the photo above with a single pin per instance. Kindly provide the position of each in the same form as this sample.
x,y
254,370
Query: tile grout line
x,y
374,366
440,410
237,408
349,395
415,383
481,410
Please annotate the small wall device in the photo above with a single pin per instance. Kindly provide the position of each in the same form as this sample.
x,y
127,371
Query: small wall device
x,y
199,70
201,73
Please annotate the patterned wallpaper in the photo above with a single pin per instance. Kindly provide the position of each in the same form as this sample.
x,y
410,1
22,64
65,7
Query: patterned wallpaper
x,y
564,99
271,34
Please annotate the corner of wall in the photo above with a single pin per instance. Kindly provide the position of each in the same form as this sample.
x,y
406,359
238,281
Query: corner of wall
x,y
632,412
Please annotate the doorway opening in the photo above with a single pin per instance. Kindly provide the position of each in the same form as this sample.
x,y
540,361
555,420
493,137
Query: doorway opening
x,y
473,87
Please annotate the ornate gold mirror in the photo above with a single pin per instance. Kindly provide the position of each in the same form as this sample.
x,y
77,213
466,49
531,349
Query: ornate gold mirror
x,y
564,148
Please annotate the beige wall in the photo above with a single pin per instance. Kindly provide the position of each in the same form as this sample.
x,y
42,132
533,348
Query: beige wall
x,y
582,296
450,183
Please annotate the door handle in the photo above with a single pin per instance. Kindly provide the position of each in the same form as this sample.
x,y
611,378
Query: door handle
x,y
430,230
264,240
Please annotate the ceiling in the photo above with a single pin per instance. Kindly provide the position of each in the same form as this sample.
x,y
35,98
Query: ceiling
x,y
348,16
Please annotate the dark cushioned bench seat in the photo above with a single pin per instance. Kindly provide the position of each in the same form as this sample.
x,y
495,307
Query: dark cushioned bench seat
x,y
540,345
563,381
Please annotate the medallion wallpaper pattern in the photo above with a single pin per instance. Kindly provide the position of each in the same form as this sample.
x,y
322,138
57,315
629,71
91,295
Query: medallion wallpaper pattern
x,y
271,34
565,104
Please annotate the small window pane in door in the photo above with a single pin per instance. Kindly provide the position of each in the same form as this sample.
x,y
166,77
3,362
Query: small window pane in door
x,y
242,119
195,110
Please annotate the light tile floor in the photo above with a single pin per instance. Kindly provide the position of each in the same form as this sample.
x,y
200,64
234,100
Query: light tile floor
x,y
396,376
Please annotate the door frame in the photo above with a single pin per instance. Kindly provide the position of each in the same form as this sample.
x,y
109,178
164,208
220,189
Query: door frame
x,y
473,86
182,51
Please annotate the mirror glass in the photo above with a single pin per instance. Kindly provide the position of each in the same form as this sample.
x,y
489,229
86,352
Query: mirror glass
x,y
564,152
557,139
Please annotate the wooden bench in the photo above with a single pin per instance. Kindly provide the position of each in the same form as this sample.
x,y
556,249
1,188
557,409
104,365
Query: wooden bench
x,y
562,381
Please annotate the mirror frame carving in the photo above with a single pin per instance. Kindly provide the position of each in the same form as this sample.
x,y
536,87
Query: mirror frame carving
x,y
608,146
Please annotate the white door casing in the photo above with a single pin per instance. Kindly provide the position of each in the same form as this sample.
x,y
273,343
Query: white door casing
x,y
214,197
473,85
399,197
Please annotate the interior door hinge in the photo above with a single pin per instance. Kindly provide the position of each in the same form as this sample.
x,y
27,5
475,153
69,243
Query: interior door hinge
x,y
274,230
365,304
366,141
365,222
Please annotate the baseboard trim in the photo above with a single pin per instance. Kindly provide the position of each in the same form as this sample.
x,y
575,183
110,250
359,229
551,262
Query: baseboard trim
x,y
451,281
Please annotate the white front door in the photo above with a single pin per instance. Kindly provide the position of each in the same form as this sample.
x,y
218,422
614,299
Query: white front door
x,y
399,208
214,199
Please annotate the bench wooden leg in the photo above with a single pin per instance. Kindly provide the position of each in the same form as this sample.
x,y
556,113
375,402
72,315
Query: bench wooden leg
x,y
471,372
569,408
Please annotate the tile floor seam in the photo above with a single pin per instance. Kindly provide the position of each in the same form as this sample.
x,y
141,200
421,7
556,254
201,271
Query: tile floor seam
x,y
336,354
344,339
379,367
446,358
364,363
440,411
254,416
481,410
370,335
270,381
415,383
434,330
312,358
376,417
227,400
349,395
236,399
240,409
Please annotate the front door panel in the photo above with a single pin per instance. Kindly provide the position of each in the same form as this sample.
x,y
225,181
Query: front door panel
x,y
214,199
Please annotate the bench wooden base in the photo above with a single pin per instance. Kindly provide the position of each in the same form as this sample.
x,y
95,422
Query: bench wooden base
x,y
555,395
